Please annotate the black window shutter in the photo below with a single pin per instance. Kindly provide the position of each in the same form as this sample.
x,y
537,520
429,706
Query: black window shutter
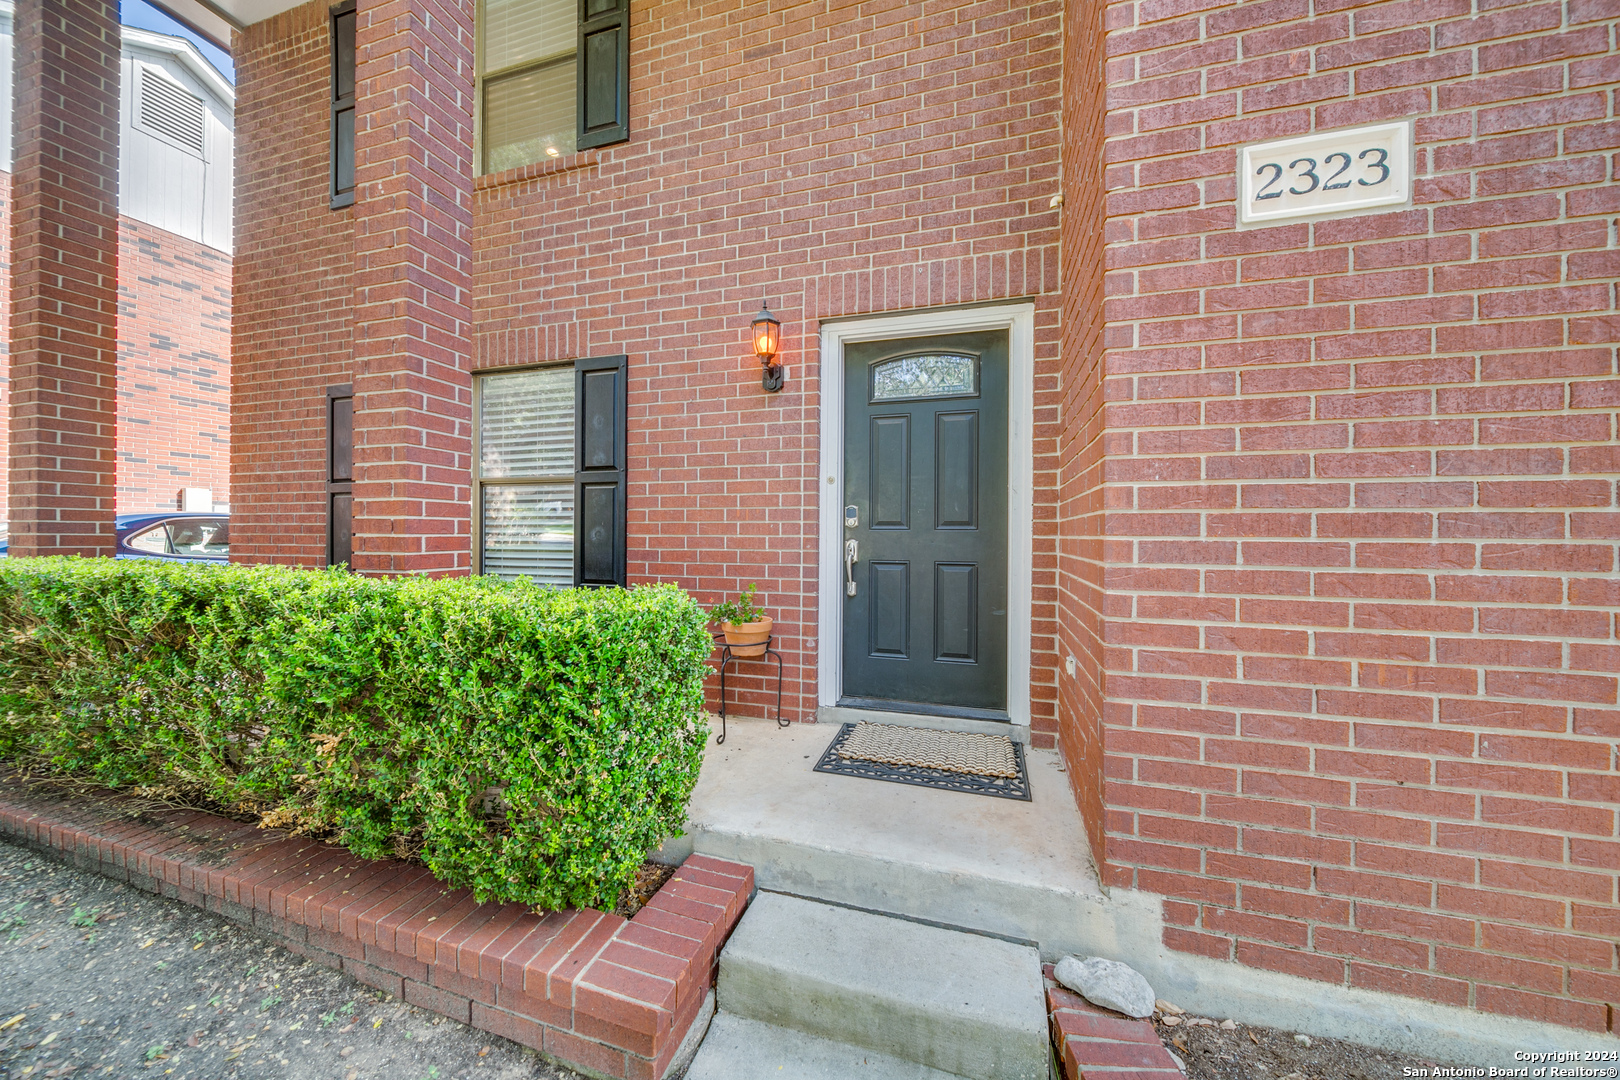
x,y
604,72
339,474
600,405
342,169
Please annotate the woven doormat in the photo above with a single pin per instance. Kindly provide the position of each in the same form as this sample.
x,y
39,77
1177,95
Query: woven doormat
x,y
926,757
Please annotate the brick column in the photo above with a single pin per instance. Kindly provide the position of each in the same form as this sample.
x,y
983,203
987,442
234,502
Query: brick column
x,y
64,267
412,274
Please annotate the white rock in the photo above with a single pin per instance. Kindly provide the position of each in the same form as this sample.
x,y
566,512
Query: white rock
x,y
1228,1025
1107,983
1303,1040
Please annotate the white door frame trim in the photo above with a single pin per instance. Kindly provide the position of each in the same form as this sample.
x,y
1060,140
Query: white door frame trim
x,y
1019,322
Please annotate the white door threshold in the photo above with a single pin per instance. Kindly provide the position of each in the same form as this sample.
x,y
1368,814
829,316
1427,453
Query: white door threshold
x,y
840,714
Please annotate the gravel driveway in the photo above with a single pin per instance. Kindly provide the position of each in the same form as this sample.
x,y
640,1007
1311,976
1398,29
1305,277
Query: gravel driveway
x,y
99,979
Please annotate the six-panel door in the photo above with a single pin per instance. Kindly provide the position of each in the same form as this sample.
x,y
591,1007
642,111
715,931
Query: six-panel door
x,y
925,500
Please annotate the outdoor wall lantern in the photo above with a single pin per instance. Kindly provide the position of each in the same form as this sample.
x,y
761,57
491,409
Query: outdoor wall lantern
x,y
767,342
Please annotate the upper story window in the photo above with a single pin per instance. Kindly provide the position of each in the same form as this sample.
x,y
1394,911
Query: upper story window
x,y
343,105
553,78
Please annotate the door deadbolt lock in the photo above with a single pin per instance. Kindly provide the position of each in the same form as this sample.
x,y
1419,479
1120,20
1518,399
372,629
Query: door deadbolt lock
x,y
852,517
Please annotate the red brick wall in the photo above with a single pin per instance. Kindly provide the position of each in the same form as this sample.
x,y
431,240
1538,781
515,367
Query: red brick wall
x,y
174,367
292,333
5,336
1362,663
413,267
64,278
1081,510
174,351
916,172
832,159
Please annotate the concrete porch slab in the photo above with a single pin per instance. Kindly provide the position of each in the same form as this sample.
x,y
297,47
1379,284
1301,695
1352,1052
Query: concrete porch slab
x,y
1012,869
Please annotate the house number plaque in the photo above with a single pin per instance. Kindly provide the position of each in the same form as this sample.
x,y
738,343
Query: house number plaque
x,y
1326,175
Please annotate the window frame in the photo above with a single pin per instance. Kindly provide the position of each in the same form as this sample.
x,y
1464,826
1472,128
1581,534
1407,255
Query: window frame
x,y
615,17
478,479
345,103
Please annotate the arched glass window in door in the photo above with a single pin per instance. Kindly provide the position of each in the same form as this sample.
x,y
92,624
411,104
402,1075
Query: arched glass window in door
x,y
925,375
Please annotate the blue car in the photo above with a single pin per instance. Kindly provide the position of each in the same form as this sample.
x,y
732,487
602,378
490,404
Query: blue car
x,y
171,535
190,537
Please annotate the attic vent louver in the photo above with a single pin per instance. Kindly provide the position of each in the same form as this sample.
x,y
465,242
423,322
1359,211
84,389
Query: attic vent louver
x,y
169,110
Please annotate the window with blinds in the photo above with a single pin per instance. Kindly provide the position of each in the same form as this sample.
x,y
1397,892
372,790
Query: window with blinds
x,y
526,474
529,81
553,77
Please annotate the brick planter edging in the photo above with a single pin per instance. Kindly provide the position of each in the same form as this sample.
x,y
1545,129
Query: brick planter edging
x,y
1099,1044
610,996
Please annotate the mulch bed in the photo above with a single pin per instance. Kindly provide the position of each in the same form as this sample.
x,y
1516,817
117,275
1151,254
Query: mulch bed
x,y
1246,1052
131,804
649,879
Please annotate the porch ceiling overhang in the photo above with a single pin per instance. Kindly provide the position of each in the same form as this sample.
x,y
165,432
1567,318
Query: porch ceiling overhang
x,y
215,19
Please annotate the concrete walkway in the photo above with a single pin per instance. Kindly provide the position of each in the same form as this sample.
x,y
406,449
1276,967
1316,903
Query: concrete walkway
x,y
1016,869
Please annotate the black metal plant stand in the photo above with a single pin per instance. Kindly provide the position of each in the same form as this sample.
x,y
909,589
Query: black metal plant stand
x,y
726,656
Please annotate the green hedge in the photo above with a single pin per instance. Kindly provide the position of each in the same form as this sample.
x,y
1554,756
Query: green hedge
x,y
531,744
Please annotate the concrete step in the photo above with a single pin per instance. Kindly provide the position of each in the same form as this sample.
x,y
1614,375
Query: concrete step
x,y
961,1003
740,1049
1015,869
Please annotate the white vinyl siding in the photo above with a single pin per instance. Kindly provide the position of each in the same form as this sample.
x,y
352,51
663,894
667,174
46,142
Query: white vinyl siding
x,y
175,167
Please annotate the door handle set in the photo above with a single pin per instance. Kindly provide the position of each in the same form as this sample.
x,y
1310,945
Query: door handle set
x,y
851,553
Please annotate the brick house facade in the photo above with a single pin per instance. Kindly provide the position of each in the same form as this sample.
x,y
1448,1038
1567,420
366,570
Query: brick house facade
x,y
1324,511
1359,486
1318,580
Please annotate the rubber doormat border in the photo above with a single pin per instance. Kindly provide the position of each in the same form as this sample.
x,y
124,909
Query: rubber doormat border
x,y
996,787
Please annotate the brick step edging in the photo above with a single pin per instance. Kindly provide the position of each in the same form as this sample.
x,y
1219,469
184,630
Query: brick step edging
x,y
609,996
1099,1044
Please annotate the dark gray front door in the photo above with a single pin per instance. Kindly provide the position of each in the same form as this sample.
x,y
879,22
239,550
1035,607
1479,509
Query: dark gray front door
x,y
925,503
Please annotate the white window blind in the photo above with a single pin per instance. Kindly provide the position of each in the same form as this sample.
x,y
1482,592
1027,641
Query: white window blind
x,y
529,532
526,474
530,109
523,31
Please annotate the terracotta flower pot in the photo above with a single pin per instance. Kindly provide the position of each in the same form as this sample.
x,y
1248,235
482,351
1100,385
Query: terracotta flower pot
x,y
749,638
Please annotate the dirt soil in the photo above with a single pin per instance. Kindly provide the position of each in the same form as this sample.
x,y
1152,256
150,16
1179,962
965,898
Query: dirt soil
x,y
101,980
1212,1052
649,879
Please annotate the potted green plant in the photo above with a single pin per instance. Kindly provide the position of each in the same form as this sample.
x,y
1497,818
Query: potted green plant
x,y
747,629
